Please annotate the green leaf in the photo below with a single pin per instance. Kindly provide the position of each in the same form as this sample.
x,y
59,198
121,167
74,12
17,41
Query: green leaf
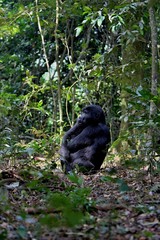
x,y
79,30
59,201
3,234
73,217
22,232
40,103
30,151
123,187
75,179
100,20
108,179
87,10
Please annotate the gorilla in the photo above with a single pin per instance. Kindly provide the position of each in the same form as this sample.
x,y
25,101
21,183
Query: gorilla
x,y
85,145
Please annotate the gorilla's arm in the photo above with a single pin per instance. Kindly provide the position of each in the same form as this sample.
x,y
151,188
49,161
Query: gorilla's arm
x,y
97,135
84,139
71,133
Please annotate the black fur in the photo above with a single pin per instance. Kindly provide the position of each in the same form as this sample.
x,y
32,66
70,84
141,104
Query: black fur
x,y
85,144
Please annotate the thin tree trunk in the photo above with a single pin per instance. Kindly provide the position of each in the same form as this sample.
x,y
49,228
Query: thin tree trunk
x,y
154,77
47,64
153,137
57,67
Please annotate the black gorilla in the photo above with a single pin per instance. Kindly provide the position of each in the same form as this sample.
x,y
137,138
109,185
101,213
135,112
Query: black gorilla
x,y
85,144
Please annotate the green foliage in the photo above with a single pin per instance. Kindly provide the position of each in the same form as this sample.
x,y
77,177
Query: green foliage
x,y
142,133
22,232
69,207
3,234
123,187
134,163
148,234
38,178
69,215
101,50
75,179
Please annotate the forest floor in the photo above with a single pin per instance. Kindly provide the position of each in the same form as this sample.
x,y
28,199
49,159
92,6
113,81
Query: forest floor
x,y
122,204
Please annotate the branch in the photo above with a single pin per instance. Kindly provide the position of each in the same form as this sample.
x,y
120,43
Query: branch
x,y
42,39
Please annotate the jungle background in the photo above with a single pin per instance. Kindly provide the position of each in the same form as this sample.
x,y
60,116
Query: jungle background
x,y
55,58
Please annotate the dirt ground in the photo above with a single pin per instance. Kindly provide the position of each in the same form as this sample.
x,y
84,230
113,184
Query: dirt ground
x,y
126,205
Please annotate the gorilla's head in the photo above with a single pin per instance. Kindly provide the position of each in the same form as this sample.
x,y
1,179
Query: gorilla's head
x,y
91,114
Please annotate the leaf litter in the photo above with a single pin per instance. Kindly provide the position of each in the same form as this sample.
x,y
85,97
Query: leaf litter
x,y
122,205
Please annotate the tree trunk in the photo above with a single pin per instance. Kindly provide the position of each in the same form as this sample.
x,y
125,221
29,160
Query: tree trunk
x,y
153,133
57,67
154,37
